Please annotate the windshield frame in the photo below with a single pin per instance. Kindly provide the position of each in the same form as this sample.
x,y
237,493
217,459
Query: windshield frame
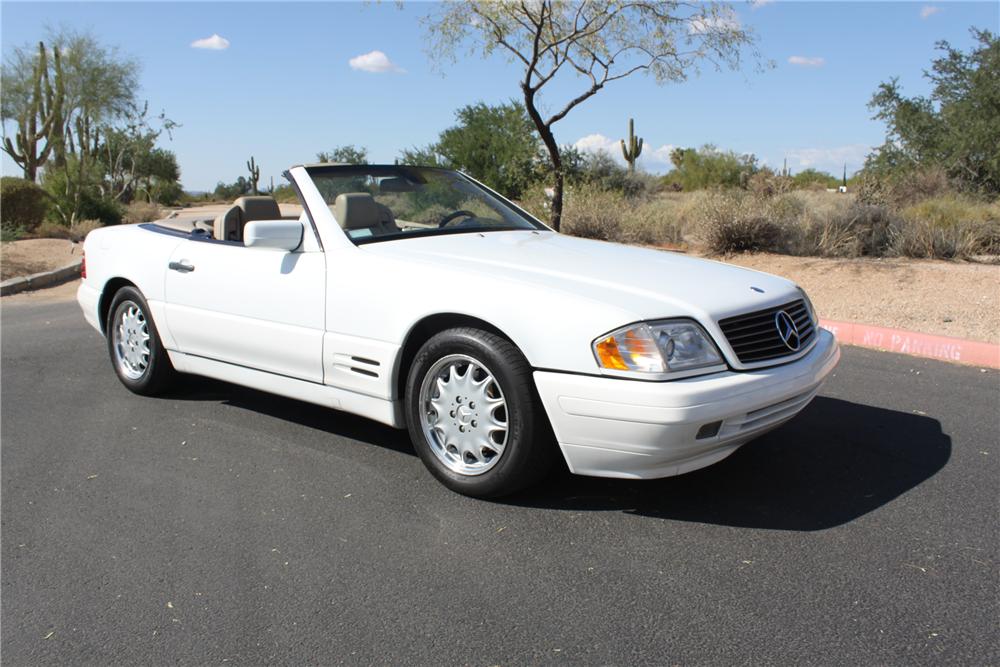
x,y
346,170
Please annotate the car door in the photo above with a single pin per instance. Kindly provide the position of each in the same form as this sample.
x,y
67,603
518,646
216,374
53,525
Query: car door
x,y
261,308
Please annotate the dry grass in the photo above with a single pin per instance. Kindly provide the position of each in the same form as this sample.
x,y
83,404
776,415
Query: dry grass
x,y
140,211
801,222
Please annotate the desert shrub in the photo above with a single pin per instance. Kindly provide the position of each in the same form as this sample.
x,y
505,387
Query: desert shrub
x,y
79,231
22,203
536,202
11,232
52,230
140,211
766,183
285,194
654,222
899,190
855,230
593,214
949,226
921,239
813,179
738,222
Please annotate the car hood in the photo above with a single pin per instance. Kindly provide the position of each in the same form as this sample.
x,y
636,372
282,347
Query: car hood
x,y
645,282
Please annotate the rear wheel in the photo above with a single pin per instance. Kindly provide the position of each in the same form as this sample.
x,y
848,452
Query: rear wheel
x,y
473,414
137,354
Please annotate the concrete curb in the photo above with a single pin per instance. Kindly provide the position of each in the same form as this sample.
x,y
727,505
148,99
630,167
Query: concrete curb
x,y
39,280
915,344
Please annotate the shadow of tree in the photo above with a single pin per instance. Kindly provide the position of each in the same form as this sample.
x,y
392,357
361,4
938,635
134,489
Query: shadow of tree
x,y
835,462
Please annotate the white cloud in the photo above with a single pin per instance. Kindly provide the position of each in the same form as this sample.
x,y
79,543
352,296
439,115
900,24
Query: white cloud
x,y
596,143
828,159
807,61
660,155
726,20
213,43
373,61
757,4
928,11
654,158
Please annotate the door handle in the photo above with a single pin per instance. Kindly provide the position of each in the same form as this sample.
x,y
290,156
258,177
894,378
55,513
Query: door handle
x,y
181,266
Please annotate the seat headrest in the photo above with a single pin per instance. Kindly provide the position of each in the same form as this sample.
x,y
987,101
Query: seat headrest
x,y
355,210
395,184
228,225
259,208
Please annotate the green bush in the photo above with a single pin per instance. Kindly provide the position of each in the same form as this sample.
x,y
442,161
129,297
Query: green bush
x,y
22,203
11,232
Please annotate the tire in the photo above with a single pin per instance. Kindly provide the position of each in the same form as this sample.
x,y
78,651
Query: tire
x,y
136,352
507,427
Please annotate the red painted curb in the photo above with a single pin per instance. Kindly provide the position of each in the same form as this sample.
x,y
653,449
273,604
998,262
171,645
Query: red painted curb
x,y
957,350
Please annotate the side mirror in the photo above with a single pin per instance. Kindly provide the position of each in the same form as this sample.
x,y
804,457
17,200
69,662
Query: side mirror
x,y
280,234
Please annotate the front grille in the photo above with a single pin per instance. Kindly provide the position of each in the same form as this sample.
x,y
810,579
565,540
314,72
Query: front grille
x,y
754,337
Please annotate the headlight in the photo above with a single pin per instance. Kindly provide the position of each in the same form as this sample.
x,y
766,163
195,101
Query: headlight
x,y
657,348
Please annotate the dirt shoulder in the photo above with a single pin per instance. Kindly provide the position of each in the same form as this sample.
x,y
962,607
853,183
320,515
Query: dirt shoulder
x,y
956,299
23,258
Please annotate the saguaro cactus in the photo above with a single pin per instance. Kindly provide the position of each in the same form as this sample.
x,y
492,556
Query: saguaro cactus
x,y
254,170
631,151
42,119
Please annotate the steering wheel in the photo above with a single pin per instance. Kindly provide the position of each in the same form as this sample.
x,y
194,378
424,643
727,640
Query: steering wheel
x,y
455,214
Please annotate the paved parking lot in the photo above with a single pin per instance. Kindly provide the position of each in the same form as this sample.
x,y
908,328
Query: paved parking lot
x,y
223,525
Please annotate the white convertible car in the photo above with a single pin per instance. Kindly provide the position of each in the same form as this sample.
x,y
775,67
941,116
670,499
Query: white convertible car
x,y
422,299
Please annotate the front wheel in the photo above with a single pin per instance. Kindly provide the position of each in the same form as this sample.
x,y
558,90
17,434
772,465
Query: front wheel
x,y
134,345
473,415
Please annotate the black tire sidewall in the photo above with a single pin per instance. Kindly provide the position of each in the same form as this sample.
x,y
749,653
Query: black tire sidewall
x,y
159,368
524,458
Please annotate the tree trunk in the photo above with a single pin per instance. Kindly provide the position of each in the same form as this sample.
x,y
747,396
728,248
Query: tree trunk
x,y
545,132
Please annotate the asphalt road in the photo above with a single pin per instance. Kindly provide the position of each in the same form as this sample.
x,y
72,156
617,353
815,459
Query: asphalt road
x,y
223,525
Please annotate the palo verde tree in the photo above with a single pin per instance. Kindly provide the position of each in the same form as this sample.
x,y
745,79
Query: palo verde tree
x,y
347,154
599,41
956,128
494,144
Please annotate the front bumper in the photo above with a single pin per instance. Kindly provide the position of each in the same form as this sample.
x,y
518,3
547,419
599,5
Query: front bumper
x,y
609,427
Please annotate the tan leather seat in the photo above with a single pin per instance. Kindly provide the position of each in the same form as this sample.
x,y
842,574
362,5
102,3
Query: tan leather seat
x,y
229,224
356,211
259,208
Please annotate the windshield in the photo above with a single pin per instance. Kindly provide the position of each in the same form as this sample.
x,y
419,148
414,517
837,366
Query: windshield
x,y
382,203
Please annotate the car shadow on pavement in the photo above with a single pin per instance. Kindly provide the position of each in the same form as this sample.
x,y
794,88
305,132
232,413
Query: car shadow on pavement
x,y
309,415
835,462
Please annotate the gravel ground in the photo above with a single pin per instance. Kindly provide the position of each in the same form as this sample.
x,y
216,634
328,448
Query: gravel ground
x,y
957,299
22,258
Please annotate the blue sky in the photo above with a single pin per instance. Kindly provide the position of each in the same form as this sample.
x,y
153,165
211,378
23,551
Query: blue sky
x,y
284,88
